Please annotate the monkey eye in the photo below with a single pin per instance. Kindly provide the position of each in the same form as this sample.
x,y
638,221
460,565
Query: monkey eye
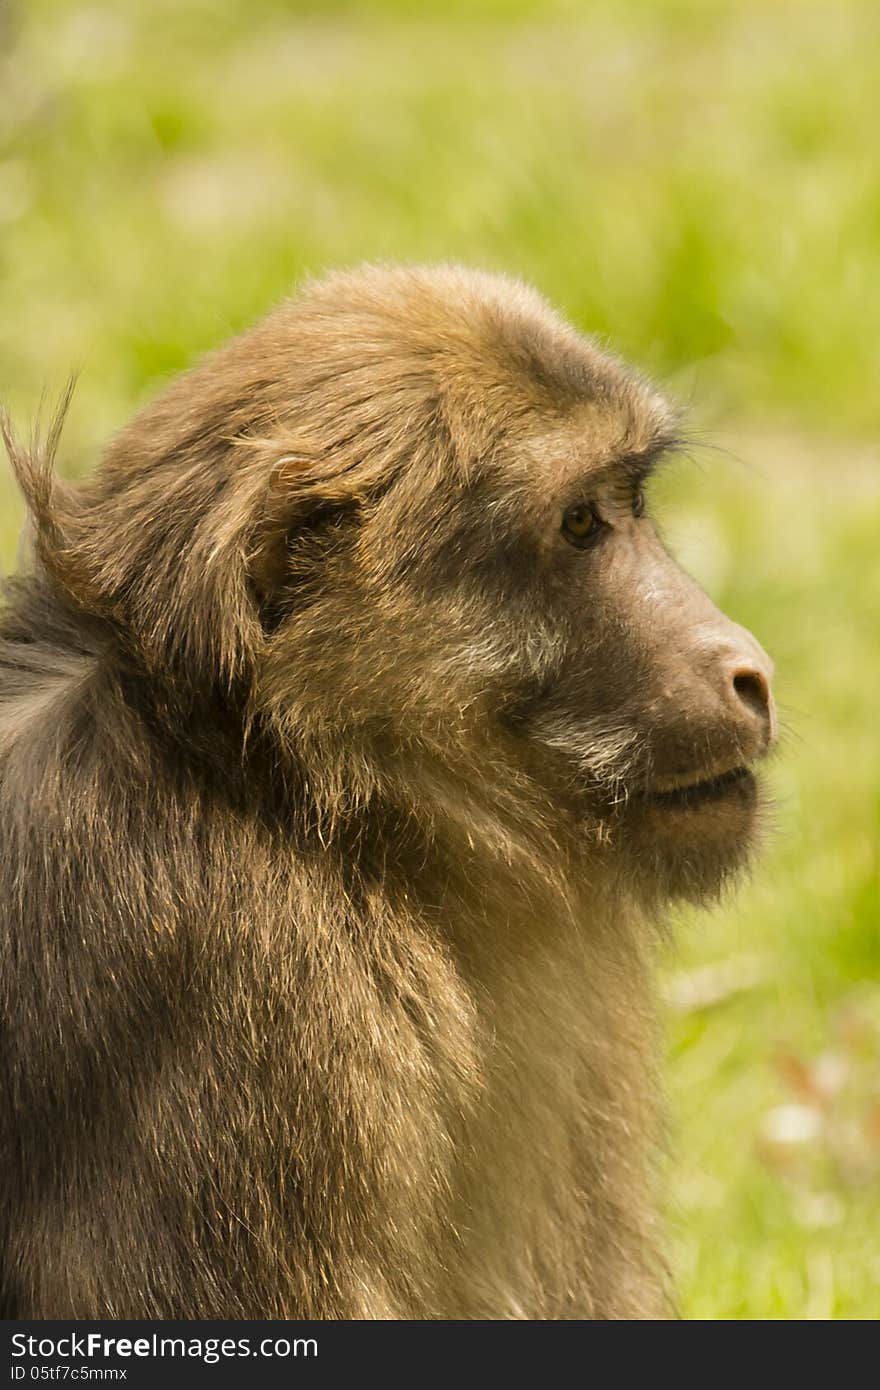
x,y
638,503
581,526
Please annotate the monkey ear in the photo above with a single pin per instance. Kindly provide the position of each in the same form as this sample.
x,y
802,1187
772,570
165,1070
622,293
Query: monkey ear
x,y
283,504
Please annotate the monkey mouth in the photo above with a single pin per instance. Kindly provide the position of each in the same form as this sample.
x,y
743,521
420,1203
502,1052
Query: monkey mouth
x,y
691,795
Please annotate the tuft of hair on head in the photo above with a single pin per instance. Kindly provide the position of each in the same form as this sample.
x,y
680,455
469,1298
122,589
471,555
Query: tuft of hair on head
x,y
50,503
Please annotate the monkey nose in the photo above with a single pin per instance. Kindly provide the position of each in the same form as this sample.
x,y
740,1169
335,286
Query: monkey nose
x,y
748,673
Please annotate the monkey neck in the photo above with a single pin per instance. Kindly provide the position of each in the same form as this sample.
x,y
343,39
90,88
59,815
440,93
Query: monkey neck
x,y
483,854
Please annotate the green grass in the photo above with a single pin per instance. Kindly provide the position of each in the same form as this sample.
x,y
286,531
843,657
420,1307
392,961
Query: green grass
x,y
694,180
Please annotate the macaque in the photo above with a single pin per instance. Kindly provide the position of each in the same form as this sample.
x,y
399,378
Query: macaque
x,y
356,732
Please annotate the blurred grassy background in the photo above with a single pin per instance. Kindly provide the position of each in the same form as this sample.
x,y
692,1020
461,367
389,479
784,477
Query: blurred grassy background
x,y
695,179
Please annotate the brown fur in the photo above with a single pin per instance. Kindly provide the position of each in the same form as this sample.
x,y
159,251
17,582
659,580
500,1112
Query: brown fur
x,y
339,801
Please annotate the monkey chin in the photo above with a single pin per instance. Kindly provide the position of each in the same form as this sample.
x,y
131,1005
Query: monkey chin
x,y
688,843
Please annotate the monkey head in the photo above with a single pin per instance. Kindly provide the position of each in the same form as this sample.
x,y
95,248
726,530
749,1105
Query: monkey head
x,y
461,568
405,516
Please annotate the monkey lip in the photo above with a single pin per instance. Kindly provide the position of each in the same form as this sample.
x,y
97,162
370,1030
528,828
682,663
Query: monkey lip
x,y
688,796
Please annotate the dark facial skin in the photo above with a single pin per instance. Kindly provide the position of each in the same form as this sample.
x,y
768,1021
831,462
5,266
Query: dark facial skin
x,y
695,689
682,693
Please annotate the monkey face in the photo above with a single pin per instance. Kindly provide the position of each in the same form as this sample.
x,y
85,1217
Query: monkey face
x,y
659,704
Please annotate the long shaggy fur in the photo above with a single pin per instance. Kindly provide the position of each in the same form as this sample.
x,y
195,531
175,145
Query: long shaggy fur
x,y
317,1002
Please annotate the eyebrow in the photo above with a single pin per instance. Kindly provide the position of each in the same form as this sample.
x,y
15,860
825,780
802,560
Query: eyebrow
x,y
638,465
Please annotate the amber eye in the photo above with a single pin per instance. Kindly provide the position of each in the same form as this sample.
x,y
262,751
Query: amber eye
x,y
581,526
638,503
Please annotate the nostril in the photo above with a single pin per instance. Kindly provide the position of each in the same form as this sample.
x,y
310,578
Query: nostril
x,y
753,689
